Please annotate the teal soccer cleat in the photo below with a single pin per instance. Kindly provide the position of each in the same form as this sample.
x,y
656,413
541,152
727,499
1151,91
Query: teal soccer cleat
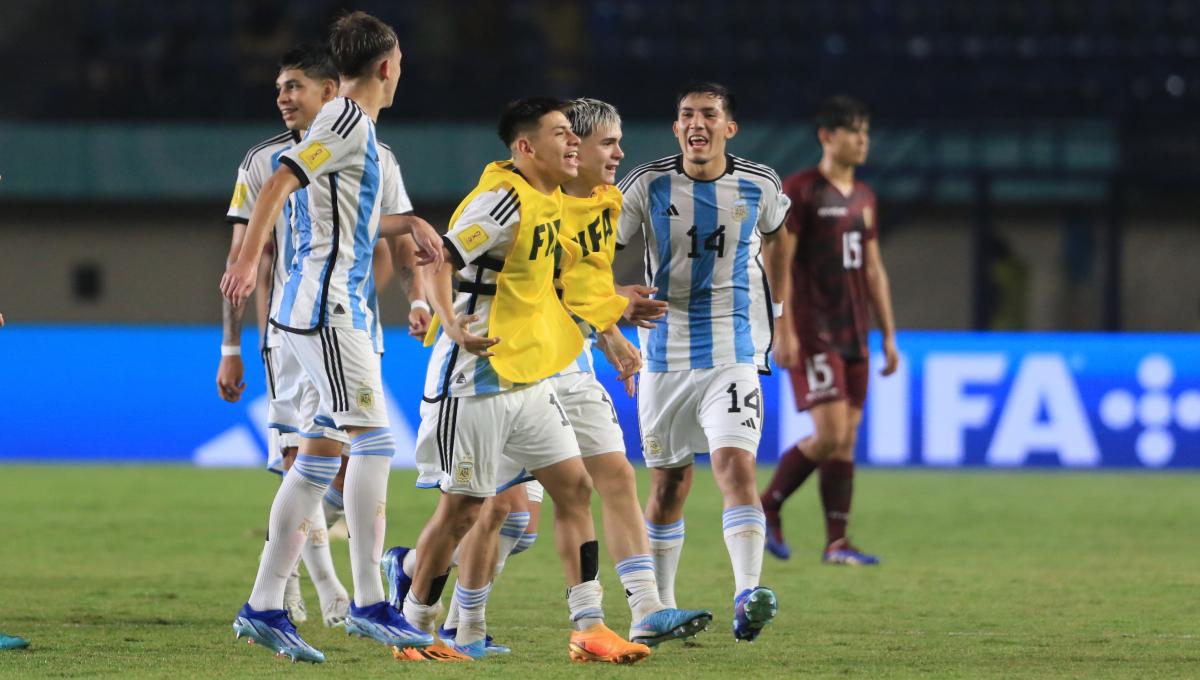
x,y
274,630
669,624
12,642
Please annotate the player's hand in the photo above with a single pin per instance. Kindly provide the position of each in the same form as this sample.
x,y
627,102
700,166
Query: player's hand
x,y
238,282
429,243
631,386
621,353
1,321
230,384
787,346
474,344
418,323
642,309
891,356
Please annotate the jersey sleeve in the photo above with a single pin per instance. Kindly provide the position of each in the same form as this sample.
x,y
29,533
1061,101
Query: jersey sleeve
x,y
250,179
774,209
800,195
633,210
870,216
336,140
487,222
395,200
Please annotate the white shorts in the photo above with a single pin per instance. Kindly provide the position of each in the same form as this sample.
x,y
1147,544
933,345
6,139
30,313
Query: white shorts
x,y
481,445
685,413
534,491
342,368
286,386
591,412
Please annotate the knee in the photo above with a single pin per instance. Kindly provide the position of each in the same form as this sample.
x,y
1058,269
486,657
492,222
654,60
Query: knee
x,y
576,494
460,519
822,447
617,479
670,487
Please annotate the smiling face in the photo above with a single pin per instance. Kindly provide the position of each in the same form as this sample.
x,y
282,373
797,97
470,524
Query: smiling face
x,y
552,148
702,126
600,155
300,97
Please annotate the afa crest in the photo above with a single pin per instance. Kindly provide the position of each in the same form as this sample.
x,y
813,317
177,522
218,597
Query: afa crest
x,y
365,398
740,210
463,472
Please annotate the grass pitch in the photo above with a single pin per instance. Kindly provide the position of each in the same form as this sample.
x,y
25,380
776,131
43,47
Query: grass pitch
x,y
138,572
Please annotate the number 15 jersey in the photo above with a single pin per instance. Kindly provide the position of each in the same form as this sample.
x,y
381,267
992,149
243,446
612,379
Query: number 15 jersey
x,y
703,253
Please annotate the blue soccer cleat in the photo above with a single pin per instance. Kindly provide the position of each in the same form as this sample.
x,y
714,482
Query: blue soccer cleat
x,y
393,572
274,630
753,609
384,623
476,650
842,552
12,642
489,644
775,543
669,624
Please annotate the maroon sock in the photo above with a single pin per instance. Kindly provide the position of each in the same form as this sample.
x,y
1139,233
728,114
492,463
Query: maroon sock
x,y
837,488
794,468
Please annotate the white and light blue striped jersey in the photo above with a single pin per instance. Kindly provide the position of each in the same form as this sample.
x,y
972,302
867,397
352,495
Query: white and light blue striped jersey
x,y
260,163
453,371
703,253
395,201
330,278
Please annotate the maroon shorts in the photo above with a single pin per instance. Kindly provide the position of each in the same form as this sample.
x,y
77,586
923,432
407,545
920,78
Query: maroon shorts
x,y
826,377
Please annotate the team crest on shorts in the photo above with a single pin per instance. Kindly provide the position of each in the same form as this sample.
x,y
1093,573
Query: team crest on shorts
x,y
463,472
653,445
740,210
366,398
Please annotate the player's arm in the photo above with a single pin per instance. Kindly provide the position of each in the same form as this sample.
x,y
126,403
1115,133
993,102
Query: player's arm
x,y
880,290
779,249
420,314
439,286
381,264
240,277
426,238
230,371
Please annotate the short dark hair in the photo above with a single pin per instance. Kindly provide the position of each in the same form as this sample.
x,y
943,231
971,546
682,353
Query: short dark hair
x,y
728,101
312,58
357,40
523,115
841,111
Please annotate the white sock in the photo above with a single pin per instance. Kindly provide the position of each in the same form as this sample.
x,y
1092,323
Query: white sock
x,y
745,534
366,511
452,612
584,601
334,506
641,588
666,544
420,615
409,565
511,533
287,530
319,562
471,607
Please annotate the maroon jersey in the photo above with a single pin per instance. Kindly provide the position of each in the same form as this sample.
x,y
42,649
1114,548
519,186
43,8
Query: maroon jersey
x,y
830,297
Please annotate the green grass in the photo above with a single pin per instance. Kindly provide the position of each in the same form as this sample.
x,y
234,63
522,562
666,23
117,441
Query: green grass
x,y
137,572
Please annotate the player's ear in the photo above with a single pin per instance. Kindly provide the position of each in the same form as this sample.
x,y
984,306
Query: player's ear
x,y
731,129
522,147
329,90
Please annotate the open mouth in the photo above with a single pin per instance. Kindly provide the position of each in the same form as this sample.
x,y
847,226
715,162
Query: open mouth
x,y
287,113
697,142
572,158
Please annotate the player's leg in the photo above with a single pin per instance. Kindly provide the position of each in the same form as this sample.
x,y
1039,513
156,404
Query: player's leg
x,y
544,443
334,502
668,415
477,556
837,476
731,415
820,389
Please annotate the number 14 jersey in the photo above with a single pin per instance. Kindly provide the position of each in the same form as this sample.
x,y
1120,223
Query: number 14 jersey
x,y
703,253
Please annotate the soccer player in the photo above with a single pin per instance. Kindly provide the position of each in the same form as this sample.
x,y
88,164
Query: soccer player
x,y
327,319
837,273
487,400
591,208
307,80
707,217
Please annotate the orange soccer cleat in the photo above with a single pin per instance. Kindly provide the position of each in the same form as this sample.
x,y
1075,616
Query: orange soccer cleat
x,y
436,652
599,643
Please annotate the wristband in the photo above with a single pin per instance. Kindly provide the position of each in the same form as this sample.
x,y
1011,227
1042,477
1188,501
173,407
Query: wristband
x,y
776,309
420,304
231,350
